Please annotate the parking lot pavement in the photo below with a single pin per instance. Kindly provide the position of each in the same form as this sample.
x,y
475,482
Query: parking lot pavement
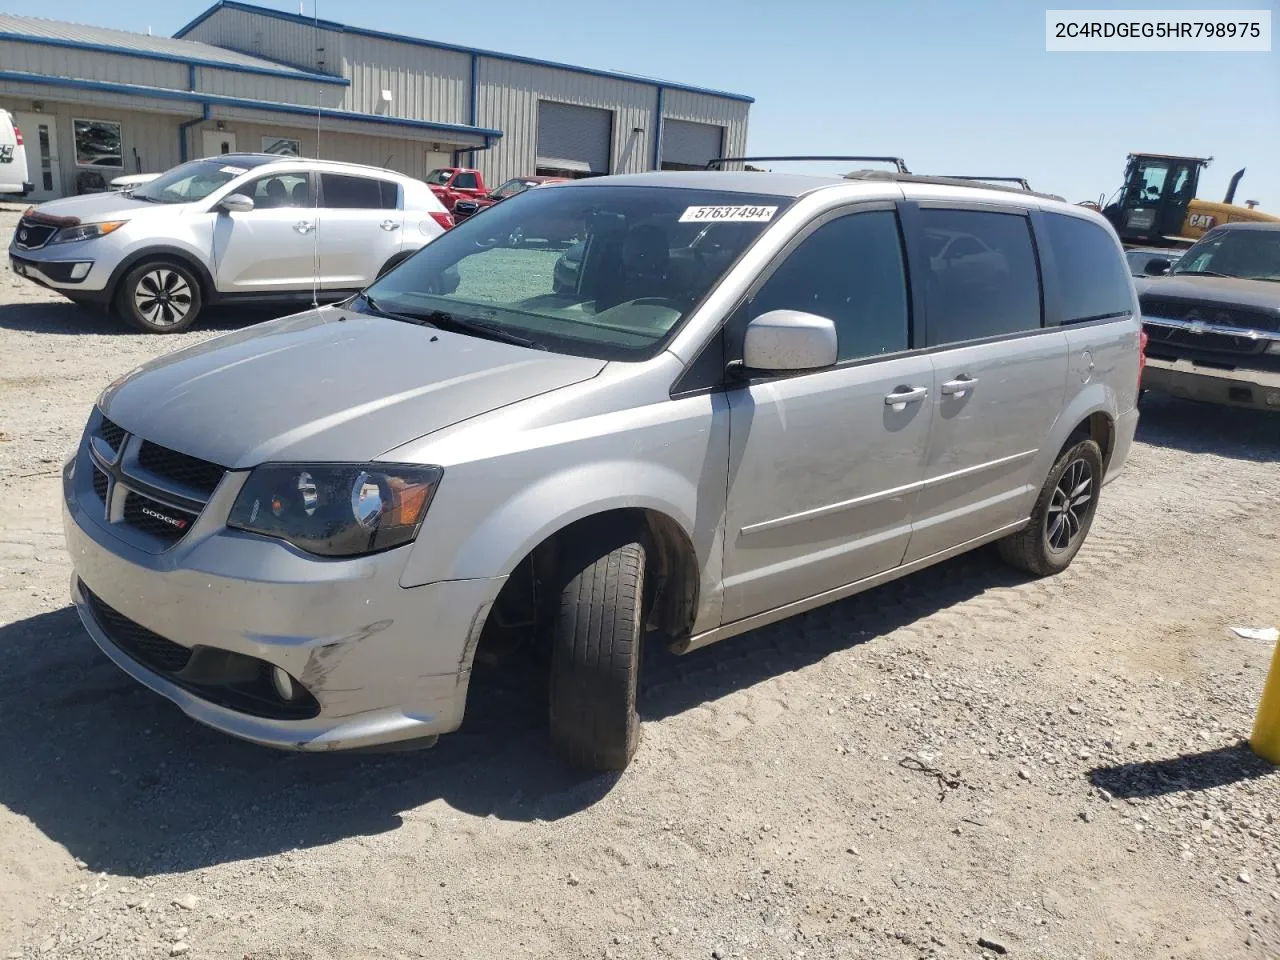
x,y
965,756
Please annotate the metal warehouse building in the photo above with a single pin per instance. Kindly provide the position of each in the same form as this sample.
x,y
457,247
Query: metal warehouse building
x,y
95,103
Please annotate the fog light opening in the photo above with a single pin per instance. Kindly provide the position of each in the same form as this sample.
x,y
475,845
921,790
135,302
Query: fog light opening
x,y
285,686
80,270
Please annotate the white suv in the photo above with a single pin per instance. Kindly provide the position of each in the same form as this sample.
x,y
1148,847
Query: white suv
x,y
238,227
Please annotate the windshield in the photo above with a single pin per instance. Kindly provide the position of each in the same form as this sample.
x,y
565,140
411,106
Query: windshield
x,y
1251,254
438,177
511,188
193,181
602,271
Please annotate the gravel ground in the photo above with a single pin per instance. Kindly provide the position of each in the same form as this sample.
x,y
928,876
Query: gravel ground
x,y
1052,769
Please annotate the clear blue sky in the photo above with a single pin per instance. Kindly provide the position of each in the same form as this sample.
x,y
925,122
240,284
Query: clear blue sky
x,y
952,87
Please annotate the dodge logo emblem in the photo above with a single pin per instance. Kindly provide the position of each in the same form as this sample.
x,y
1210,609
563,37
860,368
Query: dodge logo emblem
x,y
171,521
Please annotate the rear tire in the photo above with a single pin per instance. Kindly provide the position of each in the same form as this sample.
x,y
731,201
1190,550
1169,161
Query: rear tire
x,y
595,663
1062,515
160,296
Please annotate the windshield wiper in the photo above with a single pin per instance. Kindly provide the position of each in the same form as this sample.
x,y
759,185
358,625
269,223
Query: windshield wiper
x,y
1199,273
448,321
444,320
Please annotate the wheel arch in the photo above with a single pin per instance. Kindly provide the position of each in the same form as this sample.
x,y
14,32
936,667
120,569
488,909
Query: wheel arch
x,y
208,292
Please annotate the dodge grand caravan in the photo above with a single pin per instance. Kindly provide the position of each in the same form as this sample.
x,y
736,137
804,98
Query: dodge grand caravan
x,y
761,393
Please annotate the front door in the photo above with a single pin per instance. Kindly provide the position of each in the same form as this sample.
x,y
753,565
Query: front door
x,y
271,248
44,167
999,376
361,229
217,142
825,467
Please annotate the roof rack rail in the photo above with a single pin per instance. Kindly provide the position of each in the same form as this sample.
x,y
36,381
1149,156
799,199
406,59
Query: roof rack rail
x,y
1020,181
896,161
944,181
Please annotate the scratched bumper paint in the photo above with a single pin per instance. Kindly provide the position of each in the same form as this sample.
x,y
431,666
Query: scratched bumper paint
x,y
385,663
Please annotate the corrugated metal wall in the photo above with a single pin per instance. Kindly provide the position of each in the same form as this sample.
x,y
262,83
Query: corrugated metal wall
x,y
89,65
153,135
255,86
408,155
272,38
508,100
425,84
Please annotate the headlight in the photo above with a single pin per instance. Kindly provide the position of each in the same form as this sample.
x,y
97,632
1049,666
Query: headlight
x,y
1273,346
87,231
336,510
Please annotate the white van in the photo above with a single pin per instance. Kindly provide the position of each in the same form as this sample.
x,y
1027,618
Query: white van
x,y
13,157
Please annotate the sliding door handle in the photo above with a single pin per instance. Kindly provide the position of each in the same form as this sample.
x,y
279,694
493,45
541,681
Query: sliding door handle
x,y
959,386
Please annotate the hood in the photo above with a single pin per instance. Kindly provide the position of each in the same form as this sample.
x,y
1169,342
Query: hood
x,y
327,385
1220,291
92,207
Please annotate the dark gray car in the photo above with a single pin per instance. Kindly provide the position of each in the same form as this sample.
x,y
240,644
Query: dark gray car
x,y
754,394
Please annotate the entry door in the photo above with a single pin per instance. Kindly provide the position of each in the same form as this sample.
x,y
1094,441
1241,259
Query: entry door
x,y
999,377
218,142
825,467
44,166
271,248
361,228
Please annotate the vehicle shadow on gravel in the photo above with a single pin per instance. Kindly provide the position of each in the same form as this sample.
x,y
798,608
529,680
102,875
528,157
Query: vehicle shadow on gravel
x,y
68,319
129,785
1234,432
1191,771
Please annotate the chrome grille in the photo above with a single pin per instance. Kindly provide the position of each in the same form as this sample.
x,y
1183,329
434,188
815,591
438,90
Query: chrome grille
x,y
1173,308
32,234
154,493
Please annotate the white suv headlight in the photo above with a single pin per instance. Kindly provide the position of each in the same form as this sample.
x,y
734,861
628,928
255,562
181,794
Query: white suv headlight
x,y
87,231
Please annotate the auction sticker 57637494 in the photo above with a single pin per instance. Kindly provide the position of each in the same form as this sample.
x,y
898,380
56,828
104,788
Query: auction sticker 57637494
x,y
740,214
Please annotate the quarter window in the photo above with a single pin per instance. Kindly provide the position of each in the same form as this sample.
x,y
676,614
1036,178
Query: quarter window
x,y
850,271
344,192
982,279
465,181
1092,273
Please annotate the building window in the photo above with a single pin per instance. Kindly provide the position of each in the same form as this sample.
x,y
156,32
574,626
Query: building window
x,y
284,146
98,143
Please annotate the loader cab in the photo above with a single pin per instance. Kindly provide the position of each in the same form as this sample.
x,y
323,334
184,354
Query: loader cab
x,y
1151,207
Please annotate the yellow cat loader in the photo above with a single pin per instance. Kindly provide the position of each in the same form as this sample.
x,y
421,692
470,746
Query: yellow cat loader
x,y
1157,206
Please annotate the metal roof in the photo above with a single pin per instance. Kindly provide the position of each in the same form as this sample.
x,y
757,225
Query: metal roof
x,y
437,45
106,40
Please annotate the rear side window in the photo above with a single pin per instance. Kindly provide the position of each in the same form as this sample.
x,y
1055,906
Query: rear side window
x,y
983,279
344,192
1094,278
465,181
850,271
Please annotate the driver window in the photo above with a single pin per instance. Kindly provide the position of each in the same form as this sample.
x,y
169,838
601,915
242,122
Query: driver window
x,y
850,271
1153,179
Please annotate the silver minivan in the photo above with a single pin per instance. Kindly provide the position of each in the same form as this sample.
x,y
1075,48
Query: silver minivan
x,y
748,394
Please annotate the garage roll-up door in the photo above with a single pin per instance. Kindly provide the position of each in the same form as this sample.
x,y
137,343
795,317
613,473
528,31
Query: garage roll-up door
x,y
573,138
687,144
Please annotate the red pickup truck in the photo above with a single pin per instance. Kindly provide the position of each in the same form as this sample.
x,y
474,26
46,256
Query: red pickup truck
x,y
468,206
451,184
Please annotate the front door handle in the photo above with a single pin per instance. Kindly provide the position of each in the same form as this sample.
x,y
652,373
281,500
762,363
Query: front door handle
x,y
959,386
904,395
388,225
304,226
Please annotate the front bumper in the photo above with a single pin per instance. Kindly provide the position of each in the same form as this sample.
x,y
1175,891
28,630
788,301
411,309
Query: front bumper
x,y
384,663
1259,389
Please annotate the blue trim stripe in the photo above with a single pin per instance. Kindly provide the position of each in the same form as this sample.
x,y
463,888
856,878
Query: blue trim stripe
x,y
436,45
290,73
657,130
217,99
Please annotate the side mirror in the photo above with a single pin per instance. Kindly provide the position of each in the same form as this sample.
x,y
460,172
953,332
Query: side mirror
x,y
1157,266
236,203
789,340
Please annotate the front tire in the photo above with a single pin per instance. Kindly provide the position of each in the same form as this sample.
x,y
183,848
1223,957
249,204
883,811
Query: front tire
x,y
159,296
1062,515
595,663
